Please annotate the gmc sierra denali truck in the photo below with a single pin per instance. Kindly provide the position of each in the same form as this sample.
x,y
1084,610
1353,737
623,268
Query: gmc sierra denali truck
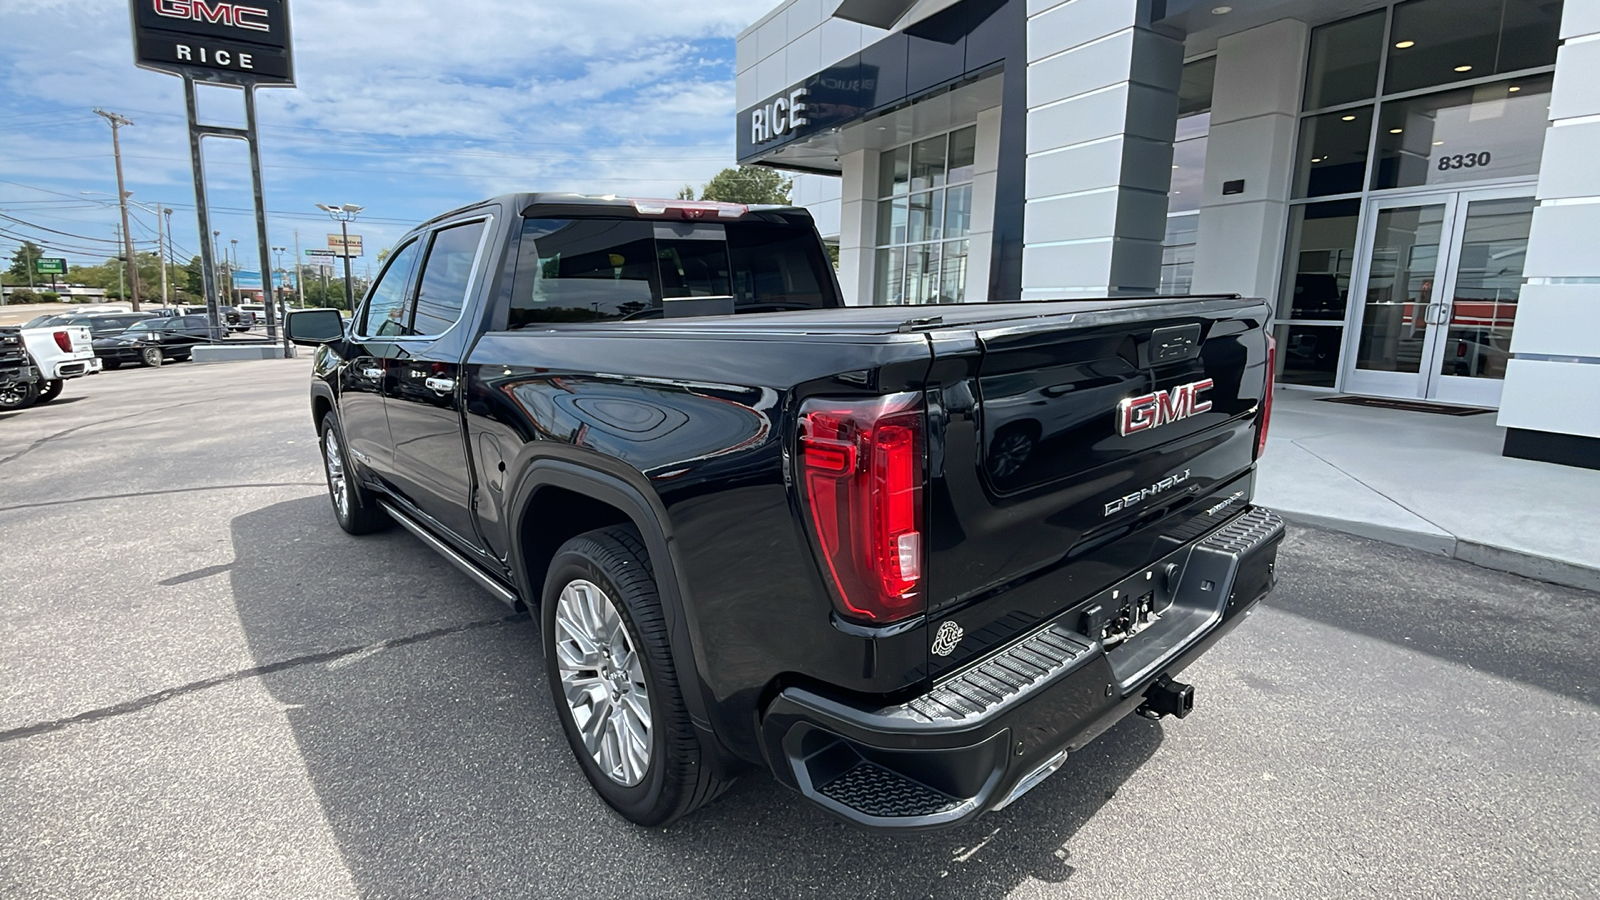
x,y
907,559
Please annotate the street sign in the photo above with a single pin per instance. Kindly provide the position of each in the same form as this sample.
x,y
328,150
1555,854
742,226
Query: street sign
x,y
217,42
337,243
49,265
321,253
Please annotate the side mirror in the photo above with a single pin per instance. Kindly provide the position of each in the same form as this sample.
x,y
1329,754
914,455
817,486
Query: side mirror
x,y
313,327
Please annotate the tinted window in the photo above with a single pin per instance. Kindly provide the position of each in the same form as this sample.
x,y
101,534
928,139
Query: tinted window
x,y
1344,59
584,270
387,302
1441,41
588,270
445,277
777,267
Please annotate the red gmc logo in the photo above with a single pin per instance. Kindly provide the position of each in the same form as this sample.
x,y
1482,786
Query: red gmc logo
x,y
1137,414
251,18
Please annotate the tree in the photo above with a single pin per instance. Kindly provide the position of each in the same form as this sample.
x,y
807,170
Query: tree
x,y
686,193
754,185
21,270
194,280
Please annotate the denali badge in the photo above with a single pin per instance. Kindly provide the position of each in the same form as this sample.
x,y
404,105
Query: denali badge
x,y
1137,414
1160,487
948,636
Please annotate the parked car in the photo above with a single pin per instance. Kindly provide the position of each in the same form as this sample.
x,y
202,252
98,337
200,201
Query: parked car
x,y
62,350
19,378
151,342
760,530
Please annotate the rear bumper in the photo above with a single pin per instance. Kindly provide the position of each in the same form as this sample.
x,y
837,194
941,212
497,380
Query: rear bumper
x,y
988,734
73,368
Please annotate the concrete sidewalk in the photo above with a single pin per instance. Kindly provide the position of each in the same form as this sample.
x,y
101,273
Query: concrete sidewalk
x,y
1437,483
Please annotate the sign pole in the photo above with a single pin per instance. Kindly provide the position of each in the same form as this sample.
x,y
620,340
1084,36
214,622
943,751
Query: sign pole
x,y
263,243
208,260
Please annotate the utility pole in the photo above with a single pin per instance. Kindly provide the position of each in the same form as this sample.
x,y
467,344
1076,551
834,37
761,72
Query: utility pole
x,y
161,253
166,293
234,294
122,280
298,294
132,266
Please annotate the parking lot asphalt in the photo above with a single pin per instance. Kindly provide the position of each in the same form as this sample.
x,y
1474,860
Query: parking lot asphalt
x,y
208,690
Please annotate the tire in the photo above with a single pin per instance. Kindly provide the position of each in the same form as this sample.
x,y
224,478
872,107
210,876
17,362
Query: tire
x,y
50,390
18,395
151,357
354,507
600,585
111,365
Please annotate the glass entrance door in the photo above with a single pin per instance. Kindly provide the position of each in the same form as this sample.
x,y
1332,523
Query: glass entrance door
x,y
1439,286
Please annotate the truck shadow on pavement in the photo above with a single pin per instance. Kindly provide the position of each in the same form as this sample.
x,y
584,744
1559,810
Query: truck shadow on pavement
x,y
441,770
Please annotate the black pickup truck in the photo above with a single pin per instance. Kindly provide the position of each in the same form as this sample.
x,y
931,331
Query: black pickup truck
x,y
905,558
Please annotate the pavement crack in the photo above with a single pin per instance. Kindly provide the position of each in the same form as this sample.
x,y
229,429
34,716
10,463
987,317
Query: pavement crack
x,y
189,490
149,700
77,428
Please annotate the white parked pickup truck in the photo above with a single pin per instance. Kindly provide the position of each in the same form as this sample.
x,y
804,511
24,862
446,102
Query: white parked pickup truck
x,y
60,352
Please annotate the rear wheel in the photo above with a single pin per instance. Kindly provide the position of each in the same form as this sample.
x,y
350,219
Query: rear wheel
x,y
613,681
150,356
50,390
18,395
354,506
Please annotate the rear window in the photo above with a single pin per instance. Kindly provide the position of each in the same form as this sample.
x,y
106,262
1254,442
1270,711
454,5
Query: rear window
x,y
596,270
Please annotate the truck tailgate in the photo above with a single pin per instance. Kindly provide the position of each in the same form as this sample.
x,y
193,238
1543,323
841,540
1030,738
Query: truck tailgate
x,y
1070,451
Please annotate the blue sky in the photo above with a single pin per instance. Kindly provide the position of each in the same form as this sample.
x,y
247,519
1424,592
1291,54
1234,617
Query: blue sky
x,y
406,107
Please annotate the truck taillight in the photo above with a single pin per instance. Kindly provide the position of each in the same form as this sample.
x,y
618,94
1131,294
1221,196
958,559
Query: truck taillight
x,y
64,341
862,465
1266,401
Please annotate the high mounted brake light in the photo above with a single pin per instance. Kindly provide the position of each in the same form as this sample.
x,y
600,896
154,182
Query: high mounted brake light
x,y
690,209
862,463
1266,401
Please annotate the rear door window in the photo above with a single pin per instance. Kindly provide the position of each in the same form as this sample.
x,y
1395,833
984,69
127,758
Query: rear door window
x,y
446,277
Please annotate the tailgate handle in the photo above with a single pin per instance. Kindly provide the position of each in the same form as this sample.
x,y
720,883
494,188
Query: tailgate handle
x,y
1177,344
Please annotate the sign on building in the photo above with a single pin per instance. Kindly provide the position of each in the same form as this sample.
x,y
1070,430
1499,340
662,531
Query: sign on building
x,y
339,246
49,265
219,42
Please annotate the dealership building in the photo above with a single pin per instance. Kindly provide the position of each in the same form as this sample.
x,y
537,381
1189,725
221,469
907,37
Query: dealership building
x,y
1413,185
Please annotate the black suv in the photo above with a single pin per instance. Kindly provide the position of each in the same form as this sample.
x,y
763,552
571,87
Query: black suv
x,y
150,342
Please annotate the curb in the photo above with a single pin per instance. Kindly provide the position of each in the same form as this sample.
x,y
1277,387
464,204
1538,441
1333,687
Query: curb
x,y
1500,559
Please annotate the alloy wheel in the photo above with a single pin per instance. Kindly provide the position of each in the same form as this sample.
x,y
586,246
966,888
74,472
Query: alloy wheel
x,y
334,460
602,679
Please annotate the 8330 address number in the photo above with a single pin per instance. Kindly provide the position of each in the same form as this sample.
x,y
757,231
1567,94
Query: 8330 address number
x,y
1465,161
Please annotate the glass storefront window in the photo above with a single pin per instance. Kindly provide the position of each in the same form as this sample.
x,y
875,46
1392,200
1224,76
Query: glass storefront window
x,y
1488,283
894,173
1440,42
924,217
1321,250
1188,176
1343,67
1309,354
1177,254
1333,153
1470,134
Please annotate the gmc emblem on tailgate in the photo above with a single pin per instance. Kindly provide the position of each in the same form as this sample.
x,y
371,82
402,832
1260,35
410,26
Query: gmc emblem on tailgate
x,y
1137,414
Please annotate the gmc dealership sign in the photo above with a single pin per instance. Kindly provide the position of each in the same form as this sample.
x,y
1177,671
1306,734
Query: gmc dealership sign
x,y
214,40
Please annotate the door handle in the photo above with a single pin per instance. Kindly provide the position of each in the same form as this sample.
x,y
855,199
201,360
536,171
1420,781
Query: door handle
x,y
371,373
440,385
